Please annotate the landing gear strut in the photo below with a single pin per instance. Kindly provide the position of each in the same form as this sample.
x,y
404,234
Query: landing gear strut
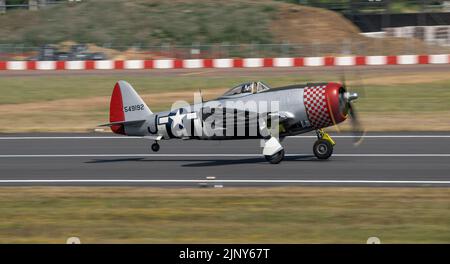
x,y
323,147
155,147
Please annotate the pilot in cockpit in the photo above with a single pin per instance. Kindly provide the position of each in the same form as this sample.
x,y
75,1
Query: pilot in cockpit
x,y
246,88
250,87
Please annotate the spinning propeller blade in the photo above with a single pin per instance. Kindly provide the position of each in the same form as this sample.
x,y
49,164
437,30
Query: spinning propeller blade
x,y
357,129
347,98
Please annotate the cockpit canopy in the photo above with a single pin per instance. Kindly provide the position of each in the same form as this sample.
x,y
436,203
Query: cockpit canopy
x,y
247,88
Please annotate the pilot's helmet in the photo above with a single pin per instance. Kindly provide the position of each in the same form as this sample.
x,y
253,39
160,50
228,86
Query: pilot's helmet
x,y
246,88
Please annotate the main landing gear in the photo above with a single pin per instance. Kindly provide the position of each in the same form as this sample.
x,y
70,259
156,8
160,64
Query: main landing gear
x,y
323,147
275,158
273,151
155,147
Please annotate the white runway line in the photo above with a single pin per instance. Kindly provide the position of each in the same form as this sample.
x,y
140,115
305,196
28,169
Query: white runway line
x,y
214,155
59,138
381,136
305,136
394,182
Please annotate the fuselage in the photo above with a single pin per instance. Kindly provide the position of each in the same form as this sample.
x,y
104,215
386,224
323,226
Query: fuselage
x,y
298,108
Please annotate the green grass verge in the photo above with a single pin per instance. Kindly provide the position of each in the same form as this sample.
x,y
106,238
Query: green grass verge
x,y
418,97
412,98
230,215
40,88
36,103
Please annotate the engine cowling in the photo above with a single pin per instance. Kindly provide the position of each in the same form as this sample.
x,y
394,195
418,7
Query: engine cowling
x,y
325,104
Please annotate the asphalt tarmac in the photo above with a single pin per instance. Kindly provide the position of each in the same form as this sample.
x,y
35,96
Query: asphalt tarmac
x,y
102,159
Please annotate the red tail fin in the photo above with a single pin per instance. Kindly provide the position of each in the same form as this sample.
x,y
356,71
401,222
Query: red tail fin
x,y
116,113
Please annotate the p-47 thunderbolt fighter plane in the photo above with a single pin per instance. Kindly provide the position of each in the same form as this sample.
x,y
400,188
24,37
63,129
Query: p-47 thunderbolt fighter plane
x,y
249,110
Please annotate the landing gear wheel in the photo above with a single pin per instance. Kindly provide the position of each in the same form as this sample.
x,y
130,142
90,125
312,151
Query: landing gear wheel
x,y
322,149
155,147
275,158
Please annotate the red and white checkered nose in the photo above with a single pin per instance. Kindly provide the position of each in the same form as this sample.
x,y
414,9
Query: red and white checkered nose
x,y
322,105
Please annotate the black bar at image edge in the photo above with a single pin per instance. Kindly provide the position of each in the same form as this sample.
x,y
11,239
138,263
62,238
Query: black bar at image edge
x,y
226,253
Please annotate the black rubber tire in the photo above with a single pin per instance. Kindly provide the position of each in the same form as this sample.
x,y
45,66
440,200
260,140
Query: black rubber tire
x,y
275,158
322,149
155,147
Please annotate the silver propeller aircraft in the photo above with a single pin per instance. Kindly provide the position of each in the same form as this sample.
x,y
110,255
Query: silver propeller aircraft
x,y
249,110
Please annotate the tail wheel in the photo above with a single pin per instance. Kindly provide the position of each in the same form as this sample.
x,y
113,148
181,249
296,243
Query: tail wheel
x,y
323,149
275,158
155,147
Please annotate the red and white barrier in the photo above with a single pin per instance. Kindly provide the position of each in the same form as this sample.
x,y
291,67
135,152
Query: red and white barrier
x,y
225,63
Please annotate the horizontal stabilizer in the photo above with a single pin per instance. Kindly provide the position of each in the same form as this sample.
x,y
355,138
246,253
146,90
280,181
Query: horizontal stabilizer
x,y
134,122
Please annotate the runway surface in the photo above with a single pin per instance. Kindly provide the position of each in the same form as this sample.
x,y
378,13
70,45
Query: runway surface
x,y
383,159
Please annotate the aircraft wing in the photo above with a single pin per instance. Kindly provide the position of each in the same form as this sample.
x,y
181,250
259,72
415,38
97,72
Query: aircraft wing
x,y
244,115
220,116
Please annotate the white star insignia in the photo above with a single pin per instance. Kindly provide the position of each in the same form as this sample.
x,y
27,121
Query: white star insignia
x,y
177,119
